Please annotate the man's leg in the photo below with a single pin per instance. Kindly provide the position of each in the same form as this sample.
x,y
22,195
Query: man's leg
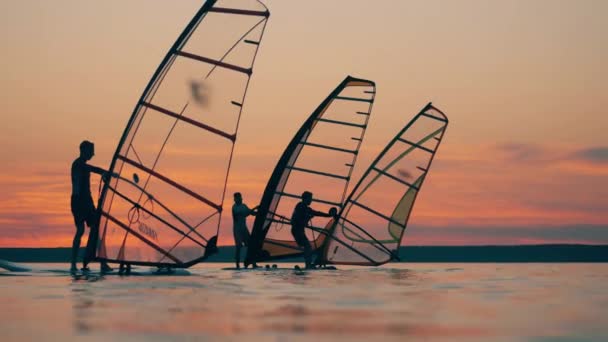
x,y
91,244
237,257
76,243
307,253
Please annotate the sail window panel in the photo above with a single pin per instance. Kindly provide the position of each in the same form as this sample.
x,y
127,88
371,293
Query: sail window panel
x,y
145,225
186,250
358,94
323,188
219,92
246,5
324,160
176,208
339,136
136,249
196,160
158,223
185,92
111,238
360,90
342,250
435,115
422,131
404,162
365,226
176,86
347,111
381,197
367,250
150,132
242,53
182,209
121,244
219,32
137,120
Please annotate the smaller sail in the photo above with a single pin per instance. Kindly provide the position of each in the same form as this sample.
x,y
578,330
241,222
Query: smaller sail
x,y
320,159
375,215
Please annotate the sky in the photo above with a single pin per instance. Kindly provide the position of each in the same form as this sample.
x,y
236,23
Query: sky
x,y
524,161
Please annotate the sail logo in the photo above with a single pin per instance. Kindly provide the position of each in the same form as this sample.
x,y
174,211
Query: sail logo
x,y
147,230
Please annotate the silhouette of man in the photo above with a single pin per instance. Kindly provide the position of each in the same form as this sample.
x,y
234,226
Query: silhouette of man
x,y
302,214
82,206
240,211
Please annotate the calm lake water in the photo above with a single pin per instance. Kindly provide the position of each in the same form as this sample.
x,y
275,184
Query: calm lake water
x,y
425,302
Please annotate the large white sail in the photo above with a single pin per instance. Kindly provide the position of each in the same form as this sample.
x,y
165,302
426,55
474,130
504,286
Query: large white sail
x,y
174,157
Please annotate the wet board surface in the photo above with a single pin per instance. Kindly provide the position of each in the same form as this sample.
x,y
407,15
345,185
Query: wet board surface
x,y
15,269
270,269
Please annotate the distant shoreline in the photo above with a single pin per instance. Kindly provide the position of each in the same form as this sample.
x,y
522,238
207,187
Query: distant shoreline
x,y
439,254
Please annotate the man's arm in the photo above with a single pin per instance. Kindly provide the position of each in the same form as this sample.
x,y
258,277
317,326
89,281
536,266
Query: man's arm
x,y
104,174
95,169
254,211
318,213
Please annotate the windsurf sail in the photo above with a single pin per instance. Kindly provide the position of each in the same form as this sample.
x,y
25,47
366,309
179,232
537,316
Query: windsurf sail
x,y
320,159
165,206
375,215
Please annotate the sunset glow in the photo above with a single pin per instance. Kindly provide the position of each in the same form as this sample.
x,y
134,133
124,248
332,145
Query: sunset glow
x,y
524,161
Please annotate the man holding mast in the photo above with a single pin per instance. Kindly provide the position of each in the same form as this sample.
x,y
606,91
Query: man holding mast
x,y
83,208
302,214
240,211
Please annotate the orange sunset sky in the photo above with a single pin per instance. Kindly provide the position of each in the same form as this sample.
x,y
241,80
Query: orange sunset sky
x,y
525,159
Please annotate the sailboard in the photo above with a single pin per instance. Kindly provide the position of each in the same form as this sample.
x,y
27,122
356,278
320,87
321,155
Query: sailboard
x,y
373,220
320,158
163,205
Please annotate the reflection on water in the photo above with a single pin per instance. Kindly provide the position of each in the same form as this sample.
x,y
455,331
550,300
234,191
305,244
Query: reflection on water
x,y
430,302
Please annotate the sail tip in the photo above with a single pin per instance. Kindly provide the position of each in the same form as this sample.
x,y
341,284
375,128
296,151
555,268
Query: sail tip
x,y
359,81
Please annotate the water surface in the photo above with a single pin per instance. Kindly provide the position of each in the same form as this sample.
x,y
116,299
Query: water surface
x,y
426,302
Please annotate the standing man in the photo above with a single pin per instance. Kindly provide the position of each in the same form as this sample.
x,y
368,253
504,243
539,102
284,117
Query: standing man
x,y
302,214
82,205
240,211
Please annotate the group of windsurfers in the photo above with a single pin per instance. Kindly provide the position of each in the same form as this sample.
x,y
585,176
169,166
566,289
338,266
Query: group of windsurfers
x,y
83,211
302,214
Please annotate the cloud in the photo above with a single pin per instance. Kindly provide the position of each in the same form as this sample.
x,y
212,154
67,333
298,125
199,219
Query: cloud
x,y
598,155
521,152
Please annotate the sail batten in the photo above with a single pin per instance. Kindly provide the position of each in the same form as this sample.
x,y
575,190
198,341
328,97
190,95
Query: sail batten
x,y
239,11
353,99
317,200
345,123
190,121
246,71
333,148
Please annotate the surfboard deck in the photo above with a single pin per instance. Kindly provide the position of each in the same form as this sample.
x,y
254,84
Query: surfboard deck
x,y
277,268
19,269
